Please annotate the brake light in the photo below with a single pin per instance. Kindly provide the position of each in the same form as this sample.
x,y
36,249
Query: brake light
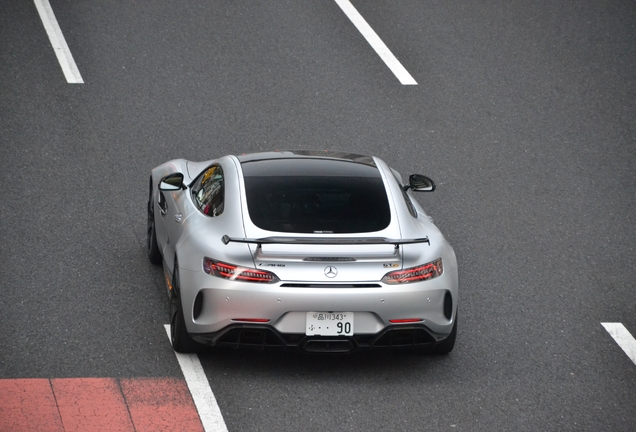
x,y
415,274
237,273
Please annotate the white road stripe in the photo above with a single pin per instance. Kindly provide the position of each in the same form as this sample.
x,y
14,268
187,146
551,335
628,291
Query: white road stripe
x,y
58,42
374,40
623,338
209,412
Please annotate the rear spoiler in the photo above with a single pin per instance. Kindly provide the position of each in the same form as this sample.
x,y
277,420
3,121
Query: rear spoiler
x,y
325,240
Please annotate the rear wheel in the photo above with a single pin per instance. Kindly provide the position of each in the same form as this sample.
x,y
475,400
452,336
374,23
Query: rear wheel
x,y
181,340
154,255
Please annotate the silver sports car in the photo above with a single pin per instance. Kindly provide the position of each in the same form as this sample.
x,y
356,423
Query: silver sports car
x,y
316,250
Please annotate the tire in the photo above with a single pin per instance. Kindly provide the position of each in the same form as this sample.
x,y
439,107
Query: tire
x,y
447,345
154,254
181,340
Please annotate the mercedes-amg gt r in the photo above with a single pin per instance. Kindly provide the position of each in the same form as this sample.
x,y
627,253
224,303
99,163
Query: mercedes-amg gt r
x,y
320,251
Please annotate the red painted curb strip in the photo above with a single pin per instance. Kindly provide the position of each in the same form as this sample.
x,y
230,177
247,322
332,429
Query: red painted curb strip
x,y
91,404
160,405
28,405
96,404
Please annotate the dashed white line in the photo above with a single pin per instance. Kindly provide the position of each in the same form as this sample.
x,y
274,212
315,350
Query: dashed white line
x,y
204,400
58,42
623,338
374,40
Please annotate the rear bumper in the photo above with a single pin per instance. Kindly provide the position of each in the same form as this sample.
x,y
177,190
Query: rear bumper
x,y
213,310
259,337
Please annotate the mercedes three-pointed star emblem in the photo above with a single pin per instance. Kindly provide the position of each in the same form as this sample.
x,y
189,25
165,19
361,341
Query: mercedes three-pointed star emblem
x,y
331,272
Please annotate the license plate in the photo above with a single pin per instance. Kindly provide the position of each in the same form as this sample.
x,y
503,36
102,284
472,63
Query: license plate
x,y
329,324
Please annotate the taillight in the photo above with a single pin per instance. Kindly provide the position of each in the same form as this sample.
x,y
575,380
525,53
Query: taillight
x,y
415,274
237,273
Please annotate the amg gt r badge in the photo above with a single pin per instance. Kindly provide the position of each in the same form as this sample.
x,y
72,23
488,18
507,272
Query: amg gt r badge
x,y
331,272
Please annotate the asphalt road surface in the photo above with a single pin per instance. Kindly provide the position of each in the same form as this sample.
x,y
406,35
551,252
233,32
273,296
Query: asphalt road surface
x,y
524,114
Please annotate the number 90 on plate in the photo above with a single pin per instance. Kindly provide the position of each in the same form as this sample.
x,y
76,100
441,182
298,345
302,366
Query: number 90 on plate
x,y
329,324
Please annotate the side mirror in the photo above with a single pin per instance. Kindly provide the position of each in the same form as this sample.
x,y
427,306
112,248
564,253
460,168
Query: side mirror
x,y
172,182
420,183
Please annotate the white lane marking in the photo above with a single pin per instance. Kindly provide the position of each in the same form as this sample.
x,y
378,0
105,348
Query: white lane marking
x,y
58,42
623,338
204,400
374,40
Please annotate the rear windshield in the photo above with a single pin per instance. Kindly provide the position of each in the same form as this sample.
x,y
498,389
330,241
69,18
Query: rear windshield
x,y
315,196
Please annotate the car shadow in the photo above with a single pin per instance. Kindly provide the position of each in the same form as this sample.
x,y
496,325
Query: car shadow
x,y
319,366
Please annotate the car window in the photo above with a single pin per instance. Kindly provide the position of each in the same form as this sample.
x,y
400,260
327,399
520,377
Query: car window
x,y
316,196
208,191
409,204
406,197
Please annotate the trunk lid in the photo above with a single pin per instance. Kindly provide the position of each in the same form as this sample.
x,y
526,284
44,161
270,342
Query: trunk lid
x,y
327,264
